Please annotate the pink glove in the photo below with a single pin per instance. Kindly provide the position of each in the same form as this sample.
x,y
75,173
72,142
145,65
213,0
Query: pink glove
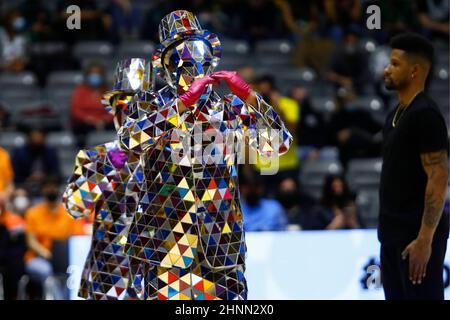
x,y
117,158
237,85
196,89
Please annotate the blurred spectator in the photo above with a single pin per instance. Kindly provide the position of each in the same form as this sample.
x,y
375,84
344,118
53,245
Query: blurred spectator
x,y
38,20
342,14
349,65
34,161
83,226
94,22
4,117
303,20
297,204
353,130
260,20
87,112
125,20
301,17
260,213
152,18
289,110
434,17
20,201
13,266
45,223
209,14
339,204
229,18
6,176
13,43
311,130
248,74
397,16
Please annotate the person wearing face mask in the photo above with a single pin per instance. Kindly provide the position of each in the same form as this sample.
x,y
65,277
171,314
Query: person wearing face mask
x,y
260,213
102,184
33,161
189,223
299,206
13,43
87,111
11,218
46,222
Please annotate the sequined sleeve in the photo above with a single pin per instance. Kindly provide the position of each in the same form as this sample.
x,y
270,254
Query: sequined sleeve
x,y
82,192
149,127
266,130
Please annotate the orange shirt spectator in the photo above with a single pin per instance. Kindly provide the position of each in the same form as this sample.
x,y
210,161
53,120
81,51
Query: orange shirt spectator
x,y
47,226
6,171
14,223
83,226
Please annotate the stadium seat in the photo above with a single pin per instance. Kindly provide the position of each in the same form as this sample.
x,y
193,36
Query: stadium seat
x,y
97,138
274,53
61,140
313,174
372,104
323,104
274,47
231,61
67,161
232,46
364,173
367,202
64,79
136,49
13,80
92,49
10,93
11,140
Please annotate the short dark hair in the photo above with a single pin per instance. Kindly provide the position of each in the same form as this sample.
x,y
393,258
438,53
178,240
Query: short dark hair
x,y
414,44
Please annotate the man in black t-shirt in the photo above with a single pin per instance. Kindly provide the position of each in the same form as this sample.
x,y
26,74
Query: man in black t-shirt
x,y
413,230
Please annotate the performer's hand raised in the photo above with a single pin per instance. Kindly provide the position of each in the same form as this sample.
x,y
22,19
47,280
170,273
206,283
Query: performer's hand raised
x,y
196,89
237,85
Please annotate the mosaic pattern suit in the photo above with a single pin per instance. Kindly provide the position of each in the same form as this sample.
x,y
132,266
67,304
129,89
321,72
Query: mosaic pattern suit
x,y
98,186
189,220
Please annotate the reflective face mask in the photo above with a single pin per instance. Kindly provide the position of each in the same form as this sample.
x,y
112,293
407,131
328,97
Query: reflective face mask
x,y
187,61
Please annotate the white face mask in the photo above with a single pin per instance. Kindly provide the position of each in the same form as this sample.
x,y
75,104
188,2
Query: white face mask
x,y
21,203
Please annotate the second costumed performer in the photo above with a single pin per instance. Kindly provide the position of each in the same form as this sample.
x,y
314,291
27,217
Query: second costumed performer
x,y
189,225
99,185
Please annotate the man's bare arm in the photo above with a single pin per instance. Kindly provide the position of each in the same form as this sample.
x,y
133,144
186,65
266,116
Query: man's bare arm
x,y
435,165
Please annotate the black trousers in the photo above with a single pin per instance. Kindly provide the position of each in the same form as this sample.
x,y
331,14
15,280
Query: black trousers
x,y
395,274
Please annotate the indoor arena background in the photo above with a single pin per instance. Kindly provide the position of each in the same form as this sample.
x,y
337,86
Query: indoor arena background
x,y
316,62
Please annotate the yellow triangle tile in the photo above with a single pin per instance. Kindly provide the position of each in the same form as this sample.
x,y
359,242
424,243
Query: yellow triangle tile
x,y
164,277
206,196
187,218
183,184
178,228
189,197
207,284
226,228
